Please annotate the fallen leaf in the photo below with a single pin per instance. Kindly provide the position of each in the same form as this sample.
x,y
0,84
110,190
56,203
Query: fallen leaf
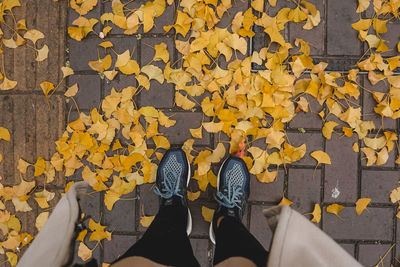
x,y
316,214
207,213
145,221
395,195
361,205
12,258
41,220
4,134
321,157
84,252
72,90
192,196
285,201
335,209
42,53
7,84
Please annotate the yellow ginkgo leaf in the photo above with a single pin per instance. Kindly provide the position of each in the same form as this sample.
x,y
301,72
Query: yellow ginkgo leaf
x,y
41,220
192,196
42,53
47,87
101,64
72,90
40,166
207,213
361,205
316,214
67,71
84,252
183,101
82,235
362,5
395,195
161,52
161,142
153,72
12,258
335,209
258,5
4,134
321,157
285,201
7,84
33,35
328,129
145,221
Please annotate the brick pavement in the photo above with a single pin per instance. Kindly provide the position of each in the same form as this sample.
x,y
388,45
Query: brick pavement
x,y
334,41
366,237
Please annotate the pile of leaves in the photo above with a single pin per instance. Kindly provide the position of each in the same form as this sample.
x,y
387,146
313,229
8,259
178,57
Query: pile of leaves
x,y
118,147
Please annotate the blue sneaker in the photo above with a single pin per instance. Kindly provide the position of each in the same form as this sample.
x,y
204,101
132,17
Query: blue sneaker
x,y
233,190
173,175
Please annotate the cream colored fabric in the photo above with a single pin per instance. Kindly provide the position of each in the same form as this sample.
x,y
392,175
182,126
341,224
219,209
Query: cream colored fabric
x,y
236,262
297,242
136,261
51,247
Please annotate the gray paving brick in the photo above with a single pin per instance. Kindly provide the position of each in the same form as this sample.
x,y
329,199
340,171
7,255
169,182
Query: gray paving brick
x,y
89,93
342,173
122,216
311,119
118,245
259,227
148,202
341,38
267,191
201,251
304,189
349,248
378,184
81,52
370,254
313,141
179,133
316,36
359,227
369,103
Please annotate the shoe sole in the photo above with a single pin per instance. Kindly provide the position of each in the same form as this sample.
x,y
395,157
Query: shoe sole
x,y
211,231
189,222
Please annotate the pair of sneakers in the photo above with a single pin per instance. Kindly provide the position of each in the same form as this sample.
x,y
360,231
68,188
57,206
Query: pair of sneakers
x,y
233,186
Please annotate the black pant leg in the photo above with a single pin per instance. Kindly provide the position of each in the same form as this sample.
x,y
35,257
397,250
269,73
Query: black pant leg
x,y
166,241
234,240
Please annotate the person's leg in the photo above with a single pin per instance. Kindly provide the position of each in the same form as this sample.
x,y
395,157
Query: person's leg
x,y
231,237
166,240
234,240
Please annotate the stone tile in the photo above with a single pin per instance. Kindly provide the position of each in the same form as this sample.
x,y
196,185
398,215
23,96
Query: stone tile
x,y
271,192
304,189
119,82
118,245
200,226
313,141
316,36
179,133
393,37
370,254
237,6
201,251
7,104
259,227
148,202
148,52
167,18
122,216
89,93
311,119
91,205
349,248
378,184
360,227
81,52
342,173
342,39
369,103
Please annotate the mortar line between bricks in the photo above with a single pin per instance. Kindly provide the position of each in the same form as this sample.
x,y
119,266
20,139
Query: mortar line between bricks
x,y
325,52
359,165
363,241
394,236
